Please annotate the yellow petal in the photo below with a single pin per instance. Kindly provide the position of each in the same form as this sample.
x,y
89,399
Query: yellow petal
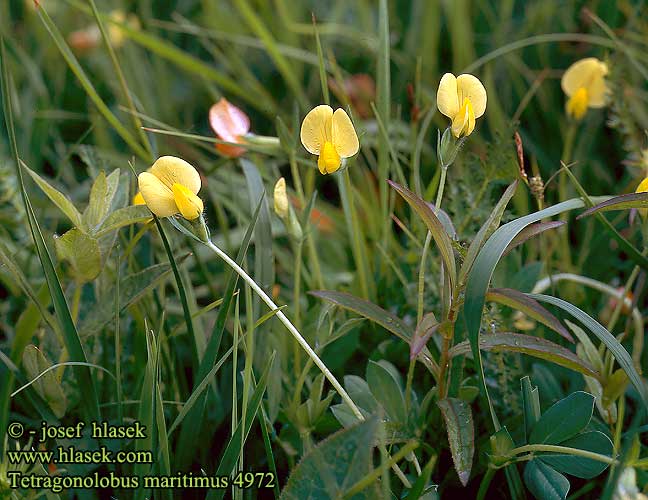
x,y
588,73
643,186
158,197
329,160
577,104
138,199
447,97
189,205
171,170
598,89
316,128
343,134
469,86
280,198
464,121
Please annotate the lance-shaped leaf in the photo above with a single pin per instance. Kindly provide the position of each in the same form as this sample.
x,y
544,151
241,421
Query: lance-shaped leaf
x,y
486,230
102,193
618,351
123,217
435,227
461,435
532,308
58,198
533,346
622,202
482,272
368,310
424,331
533,230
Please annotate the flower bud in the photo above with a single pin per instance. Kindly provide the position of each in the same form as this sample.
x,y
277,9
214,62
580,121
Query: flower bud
x,y
280,198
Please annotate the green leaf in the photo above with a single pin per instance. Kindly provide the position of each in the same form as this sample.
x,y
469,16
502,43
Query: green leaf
x,y
564,419
263,243
482,272
618,351
58,198
522,302
531,404
387,391
622,202
532,346
131,288
368,310
435,227
544,482
530,231
461,435
123,217
586,468
81,252
48,386
424,331
501,444
336,464
101,196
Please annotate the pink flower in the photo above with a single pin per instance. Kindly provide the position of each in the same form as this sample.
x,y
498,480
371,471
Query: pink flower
x,y
230,124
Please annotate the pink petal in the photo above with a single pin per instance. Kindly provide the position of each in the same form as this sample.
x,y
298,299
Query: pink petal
x,y
228,121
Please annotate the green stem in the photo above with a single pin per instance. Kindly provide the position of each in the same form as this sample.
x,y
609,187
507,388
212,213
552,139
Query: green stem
x,y
485,483
290,327
564,450
562,194
376,473
297,296
356,233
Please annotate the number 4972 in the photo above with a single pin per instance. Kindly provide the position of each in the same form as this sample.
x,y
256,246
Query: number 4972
x,y
245,480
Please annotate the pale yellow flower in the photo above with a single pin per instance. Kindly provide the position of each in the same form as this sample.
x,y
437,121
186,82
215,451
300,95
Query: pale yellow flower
x,y
584,84
329,135
170,186
463,100
280,198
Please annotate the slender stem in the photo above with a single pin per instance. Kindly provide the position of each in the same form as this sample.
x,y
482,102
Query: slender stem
x,y
376,473
297,297
531,448
485,483
310,242
356,234
290,327
562,193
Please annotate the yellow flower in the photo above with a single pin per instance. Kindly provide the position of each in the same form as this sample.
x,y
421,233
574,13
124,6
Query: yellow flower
x,y
329,135
584,84
462,99
138,199
280,198
170,186
643,188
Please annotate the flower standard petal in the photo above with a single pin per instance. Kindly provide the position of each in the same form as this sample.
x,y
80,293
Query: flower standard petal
x,y
343,135
189,205
316,128
158,197
580,75
230,124
598,89
171,170
447,97
469,86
